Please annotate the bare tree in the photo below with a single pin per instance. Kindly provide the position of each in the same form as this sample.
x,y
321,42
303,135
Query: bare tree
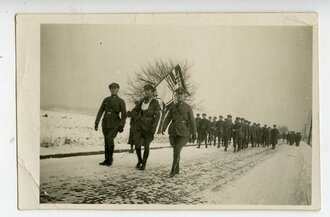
x,y
154,73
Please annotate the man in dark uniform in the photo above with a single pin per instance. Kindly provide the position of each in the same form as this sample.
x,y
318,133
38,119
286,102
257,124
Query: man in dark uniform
x,y
274,136
298,139
183,123
253,134
238,132
247,134
112,122
209,133
228,130
197,120
288,137
203,126
268,137
213,131
242,137
264,135
146,124
293,138
220,126
259,134
235,142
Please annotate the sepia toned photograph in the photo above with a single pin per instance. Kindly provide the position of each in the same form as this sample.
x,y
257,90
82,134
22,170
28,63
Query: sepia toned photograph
x,y
171,111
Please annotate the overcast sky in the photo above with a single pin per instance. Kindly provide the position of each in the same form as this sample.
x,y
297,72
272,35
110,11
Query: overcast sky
x,y
261,73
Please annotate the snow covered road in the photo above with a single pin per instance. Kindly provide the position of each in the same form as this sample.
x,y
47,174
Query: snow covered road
x,y
207,176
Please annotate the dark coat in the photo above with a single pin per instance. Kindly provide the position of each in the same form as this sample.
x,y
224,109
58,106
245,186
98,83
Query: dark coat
x,y
220,126
238,127
228,128
147,120
203,125
274,135
254,131
112,106
182,120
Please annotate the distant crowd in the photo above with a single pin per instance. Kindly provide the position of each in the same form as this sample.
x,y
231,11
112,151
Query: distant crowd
x,y
241,133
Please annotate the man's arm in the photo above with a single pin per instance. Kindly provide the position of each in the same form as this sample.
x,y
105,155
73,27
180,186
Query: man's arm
x,y
99,115
157,116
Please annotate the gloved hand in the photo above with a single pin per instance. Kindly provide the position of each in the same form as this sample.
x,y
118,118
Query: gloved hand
x,y
120,129
96,127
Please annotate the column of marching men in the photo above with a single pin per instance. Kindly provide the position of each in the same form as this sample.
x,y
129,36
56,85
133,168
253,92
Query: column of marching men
x,y
241,133
183,127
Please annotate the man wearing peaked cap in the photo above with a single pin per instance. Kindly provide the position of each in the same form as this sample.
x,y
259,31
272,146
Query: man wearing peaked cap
x,y
203,126
209,130
114,85
220,128
274,136
228,131
197,121
148,110
213,131
149,87
182,126
112,122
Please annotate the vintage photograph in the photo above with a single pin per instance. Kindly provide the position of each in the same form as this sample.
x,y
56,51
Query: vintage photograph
x,y
195,114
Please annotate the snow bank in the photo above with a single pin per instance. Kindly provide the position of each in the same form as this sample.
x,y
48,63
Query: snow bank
x,y
62,132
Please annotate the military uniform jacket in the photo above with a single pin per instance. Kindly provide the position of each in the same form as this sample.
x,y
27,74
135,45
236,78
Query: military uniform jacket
x,y
147,119
183,122
264,132
213,127
238,129
244,129
253,131
209,126
259,132
112,106
203,125
274,134
228,128
220,125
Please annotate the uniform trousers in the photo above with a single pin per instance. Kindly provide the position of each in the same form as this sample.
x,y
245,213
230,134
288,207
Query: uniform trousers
x,y
109,146
177,143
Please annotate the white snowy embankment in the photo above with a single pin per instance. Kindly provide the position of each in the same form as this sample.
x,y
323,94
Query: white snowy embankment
x,y
66,132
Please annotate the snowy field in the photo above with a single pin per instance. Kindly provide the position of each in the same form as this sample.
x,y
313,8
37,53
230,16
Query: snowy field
x,y
67,132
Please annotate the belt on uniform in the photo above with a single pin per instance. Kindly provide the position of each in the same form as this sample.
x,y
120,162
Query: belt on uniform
x,y
109,113
183,122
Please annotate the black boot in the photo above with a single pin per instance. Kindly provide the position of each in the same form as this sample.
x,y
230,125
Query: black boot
x,y
177,167
144,160
111,149
105,162
138,153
